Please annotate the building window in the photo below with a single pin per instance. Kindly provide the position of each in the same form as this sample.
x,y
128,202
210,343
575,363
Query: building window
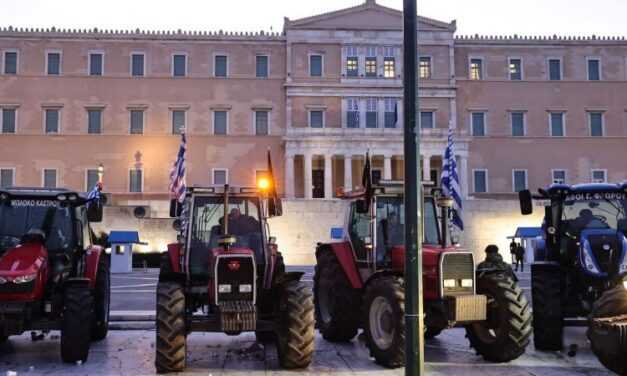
x,y
352,61
555,69
94,121
137,65
178,121
391,112
96,64
558,176
8,120
518,124
261,123
599,176
10,62
91,178
137,122
220,68
424,69
389,69
51,120
135,181
427,119
478,124
50,178
220,119
179,65
6,177
480,181
515,69
594,69
372,112
557,124
596,124
316,119
476,69
53,63
519,180
262,67
220,176
315,65
371,66
352,113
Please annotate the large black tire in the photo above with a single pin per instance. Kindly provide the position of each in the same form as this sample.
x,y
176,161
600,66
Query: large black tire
x,y
295,336
611,304
384,320
78,311
102,300
171,341
165,266
336,301
548,325
504,336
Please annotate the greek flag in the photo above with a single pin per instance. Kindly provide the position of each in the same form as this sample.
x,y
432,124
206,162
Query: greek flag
x,y
94,194
177,174
450,182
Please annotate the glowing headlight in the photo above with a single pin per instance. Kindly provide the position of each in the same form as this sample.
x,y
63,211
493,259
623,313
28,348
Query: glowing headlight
x,y
625,284
450,283
224,289
24,278
245,288
587,259
3,280
466,282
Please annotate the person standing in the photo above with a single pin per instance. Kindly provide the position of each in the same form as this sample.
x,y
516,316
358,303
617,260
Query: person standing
x,y
512,250
520,255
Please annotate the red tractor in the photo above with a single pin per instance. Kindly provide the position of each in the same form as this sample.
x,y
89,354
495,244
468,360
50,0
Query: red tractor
x,y
359,283
52,277
226,275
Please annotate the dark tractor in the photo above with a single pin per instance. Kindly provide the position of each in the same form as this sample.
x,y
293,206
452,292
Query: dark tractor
x,y
52,277
225,274
359,283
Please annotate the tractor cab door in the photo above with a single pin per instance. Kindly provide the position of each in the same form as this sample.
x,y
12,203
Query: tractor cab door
x,y
360,234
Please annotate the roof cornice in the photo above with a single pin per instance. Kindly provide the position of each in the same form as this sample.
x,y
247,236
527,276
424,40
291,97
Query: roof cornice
x,y
536,39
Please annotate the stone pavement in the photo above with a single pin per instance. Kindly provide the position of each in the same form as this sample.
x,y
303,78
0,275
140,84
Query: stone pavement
x,y
132,353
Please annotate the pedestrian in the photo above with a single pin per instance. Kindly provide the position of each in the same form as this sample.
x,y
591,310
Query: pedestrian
x,y
512,250
520,255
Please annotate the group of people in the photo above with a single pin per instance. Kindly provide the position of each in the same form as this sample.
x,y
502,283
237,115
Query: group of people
x,y
518,255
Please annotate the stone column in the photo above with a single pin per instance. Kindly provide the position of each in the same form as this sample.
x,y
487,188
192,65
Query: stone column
x,y
289,176
348,173
463,179
426,167
328,176
307,170
387,167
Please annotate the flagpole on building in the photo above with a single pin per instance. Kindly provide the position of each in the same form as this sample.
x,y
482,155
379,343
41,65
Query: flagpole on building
x,y
414,324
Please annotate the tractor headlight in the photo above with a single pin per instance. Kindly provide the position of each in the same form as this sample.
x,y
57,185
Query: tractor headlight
x,y
587,259
450,283
24,278
625,284
244,289
467,283
3,280
224,289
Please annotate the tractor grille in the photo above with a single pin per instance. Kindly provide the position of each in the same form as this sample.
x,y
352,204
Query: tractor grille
x,y
235,271
237,316
457,267
605,258
17,288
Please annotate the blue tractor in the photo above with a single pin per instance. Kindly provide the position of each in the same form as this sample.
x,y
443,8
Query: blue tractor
x,y
581,267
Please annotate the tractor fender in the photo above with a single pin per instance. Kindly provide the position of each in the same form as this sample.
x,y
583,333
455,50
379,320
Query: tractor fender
x,y
92,258
288,277
174,252
345,257
382,273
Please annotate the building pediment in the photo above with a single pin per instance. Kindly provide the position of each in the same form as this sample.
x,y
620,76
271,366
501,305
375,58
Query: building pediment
x,y
367,16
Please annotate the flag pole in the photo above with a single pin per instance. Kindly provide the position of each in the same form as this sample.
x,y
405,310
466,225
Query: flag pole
x,y
414,324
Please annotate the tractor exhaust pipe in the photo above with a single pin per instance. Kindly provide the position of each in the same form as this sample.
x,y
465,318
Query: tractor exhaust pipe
x,y
226,241
445,203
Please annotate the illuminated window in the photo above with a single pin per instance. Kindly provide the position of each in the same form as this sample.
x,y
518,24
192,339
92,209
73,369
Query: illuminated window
x,y
371,67
515,69
389,70
425,67
476,69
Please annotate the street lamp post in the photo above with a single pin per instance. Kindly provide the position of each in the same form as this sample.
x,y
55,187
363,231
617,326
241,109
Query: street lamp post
x,y
100,172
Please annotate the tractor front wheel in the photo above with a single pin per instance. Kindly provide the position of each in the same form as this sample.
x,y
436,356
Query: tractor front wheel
x,y
78,310
102,295
548,326
384,320
504,335
171,346
295,337
608,345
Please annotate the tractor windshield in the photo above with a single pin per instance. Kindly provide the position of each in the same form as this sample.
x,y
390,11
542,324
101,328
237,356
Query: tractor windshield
x,y
391,222
594,211
19,217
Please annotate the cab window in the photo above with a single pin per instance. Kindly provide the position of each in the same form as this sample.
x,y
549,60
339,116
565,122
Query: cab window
x,y
359,230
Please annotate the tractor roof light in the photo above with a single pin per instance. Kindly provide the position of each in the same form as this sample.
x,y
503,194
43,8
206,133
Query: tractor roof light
x,y
264,184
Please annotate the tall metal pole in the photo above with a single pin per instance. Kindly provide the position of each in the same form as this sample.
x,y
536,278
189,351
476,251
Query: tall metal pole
x,y
414,324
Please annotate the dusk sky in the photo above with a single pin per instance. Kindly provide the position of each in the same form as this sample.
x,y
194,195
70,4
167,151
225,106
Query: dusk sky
x,y
543,17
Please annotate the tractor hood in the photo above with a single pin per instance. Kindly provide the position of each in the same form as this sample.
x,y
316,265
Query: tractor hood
x,y
23,271
603,252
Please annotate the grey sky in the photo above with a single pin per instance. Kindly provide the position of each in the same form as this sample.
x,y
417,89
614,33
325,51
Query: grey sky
x,y
544,17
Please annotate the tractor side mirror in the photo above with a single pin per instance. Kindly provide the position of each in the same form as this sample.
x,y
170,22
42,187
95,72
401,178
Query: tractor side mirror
x,y
362,206
337,233
94,212
526,204
175,209
176,225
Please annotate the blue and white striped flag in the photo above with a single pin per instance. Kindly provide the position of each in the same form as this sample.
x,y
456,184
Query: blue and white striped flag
x,y
94,194
177,174
450,182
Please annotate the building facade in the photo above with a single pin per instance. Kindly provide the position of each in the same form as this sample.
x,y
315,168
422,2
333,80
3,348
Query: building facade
x,y
526,111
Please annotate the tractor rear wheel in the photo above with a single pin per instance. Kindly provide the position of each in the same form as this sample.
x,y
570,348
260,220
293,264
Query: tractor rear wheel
x,y
336,301
384,320
78,310
171,343
102,300
295,337
611,354
504,335
548,326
